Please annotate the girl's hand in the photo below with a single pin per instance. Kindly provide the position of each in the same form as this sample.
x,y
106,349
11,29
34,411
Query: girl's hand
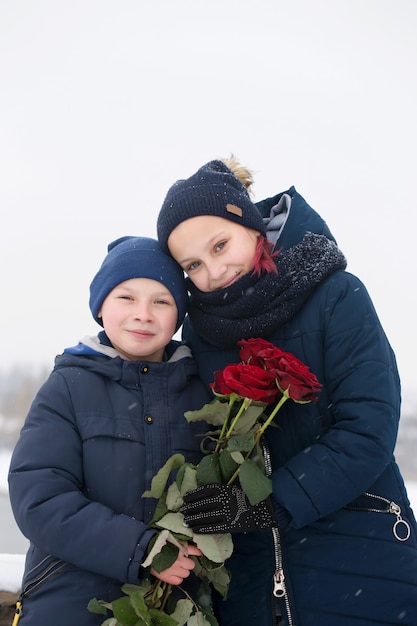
x,y
225,509
179,570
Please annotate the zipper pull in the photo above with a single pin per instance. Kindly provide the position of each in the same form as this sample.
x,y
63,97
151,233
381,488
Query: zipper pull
x,y
395,509
17,613
279,583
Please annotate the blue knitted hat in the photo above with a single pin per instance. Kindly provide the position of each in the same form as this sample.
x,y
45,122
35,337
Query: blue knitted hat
x,y
137,257
212,190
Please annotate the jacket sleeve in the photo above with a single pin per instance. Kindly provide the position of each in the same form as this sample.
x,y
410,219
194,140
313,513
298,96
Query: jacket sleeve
x,y
362,391
48,499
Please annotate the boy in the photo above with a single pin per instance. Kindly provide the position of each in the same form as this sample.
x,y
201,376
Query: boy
x,y
108,417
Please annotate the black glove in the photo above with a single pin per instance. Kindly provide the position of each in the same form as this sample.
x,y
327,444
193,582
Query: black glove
x,y
225,509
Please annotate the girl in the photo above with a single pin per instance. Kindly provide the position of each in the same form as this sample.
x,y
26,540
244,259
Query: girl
x,y
345,549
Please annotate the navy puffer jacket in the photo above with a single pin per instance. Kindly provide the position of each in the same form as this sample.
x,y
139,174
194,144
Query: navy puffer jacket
x,y
97,432
344,557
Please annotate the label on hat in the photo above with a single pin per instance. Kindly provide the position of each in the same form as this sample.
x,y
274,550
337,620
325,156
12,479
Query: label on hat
x,y
232,208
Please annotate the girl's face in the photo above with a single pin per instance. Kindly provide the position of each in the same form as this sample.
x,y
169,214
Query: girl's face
x,y
213,251
139,317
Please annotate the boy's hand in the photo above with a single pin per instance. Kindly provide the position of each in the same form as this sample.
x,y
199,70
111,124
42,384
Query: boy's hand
x,y
179,570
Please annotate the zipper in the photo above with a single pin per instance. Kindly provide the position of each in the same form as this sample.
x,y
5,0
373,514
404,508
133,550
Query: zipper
x,y
401,528
17,613
34,583
279,588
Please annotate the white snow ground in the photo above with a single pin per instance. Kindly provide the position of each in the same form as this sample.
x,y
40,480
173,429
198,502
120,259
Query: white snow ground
x,y
12,564
11,570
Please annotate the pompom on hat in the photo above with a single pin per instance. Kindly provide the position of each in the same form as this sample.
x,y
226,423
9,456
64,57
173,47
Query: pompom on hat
x,y
137,257
212,190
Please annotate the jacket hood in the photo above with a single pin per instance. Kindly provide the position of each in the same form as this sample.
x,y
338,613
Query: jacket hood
x,y
288,218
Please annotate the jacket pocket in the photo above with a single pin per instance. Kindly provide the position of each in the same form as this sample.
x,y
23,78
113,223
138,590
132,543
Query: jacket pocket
x,y
35,578
110,426
373,503
40,574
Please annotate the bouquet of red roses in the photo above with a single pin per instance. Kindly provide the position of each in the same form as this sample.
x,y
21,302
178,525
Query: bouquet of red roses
x,y
265,375
248,396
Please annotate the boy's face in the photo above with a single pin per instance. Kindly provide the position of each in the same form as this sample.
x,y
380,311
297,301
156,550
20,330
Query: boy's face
x,y
213,251
139,317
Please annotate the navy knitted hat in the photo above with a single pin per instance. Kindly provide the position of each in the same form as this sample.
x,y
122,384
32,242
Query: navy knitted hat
x,y
212,190
137,257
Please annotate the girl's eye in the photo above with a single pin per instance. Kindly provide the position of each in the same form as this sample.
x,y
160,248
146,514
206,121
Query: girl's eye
x,y
219,246
192,266
125,297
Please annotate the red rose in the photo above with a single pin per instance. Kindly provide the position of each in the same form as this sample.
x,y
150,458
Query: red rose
x,y
249,349
248,381
291,374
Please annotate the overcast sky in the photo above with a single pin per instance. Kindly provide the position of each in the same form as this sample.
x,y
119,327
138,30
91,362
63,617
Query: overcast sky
x,y
104,104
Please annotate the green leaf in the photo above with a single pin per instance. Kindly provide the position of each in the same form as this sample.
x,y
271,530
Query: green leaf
x,y
198,619
211,619
174,499
219,577
248,418
237,457
216,547
174,523
254,483
214,413
125,613
161,619
189,480
143,588
166,557
227,465
160,479
160,510
241,443
182,611
182,473
208,470
98,606
257,457
138,603
162,538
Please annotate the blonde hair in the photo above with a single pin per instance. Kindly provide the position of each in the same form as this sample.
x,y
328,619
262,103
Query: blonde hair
x,y
242,173
264,257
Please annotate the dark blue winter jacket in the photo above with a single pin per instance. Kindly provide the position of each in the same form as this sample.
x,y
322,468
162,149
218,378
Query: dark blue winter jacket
x,y
97,432
346,558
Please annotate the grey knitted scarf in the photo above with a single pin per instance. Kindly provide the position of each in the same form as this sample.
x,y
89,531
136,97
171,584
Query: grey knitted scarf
x,y
255,307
